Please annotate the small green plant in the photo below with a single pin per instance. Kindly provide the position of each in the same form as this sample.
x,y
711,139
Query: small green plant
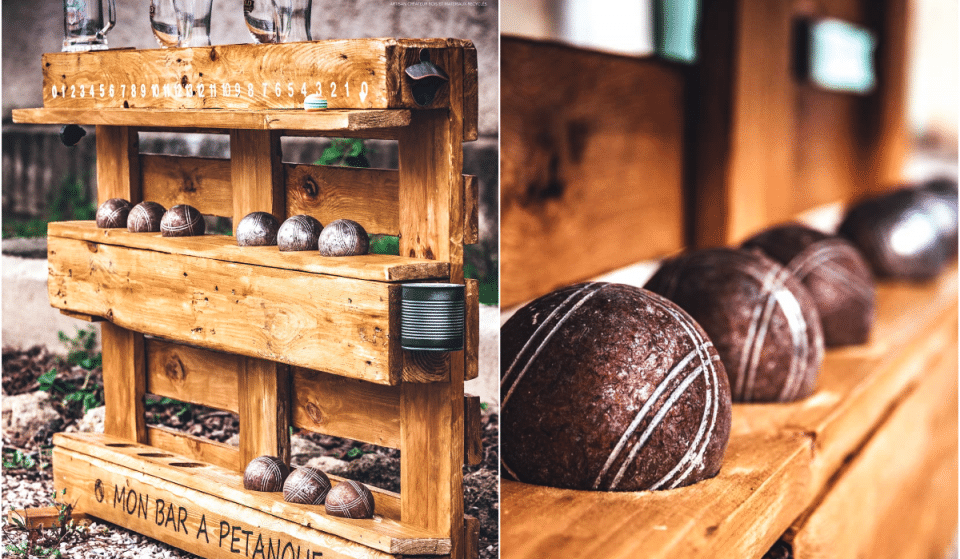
x,y
345,152
81,348
71,200
17,460
164,401
484,406
42,541
89,395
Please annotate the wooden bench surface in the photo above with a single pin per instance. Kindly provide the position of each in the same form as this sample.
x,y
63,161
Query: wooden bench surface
x,y
780,459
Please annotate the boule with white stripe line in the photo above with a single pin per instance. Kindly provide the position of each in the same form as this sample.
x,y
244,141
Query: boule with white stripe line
x,y
266,474
343,237
609,387
182,220
762,320
306,485
832,270
258,229
350,499
145,218
113,213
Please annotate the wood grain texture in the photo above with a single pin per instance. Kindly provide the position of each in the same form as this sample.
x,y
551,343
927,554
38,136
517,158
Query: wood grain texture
x,y
118,164
471,210
81,316
471,94
124,382
908,483
778,462
338,325
256,172
343,407
769,145
37,517
471,334
201,182
591,171
264,396
194,448
384,533
471,537
255,70
377,267
368,196
191,374
472,434
340,122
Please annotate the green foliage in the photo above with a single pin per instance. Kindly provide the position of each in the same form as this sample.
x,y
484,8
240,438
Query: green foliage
x,y
384,244
81,349
69,201
484,406
345,152
17,459
480,263
164,401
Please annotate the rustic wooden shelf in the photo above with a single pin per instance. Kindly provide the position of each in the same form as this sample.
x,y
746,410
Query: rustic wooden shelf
x,y
318,122
374,267
782,461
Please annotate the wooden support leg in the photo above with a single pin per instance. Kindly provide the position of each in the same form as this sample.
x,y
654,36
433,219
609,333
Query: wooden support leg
x,y
431,226
118,164
264,392
124,382
256,170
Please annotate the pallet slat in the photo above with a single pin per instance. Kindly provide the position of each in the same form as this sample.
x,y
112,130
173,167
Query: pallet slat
x,y
376,267
195,448
206,481
194,375
321,322
202,182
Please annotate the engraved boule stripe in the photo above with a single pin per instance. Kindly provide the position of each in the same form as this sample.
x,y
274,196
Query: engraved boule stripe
x,y
847,279
713,389
509,471
644,410
537,331
547,339
654,423
776,286
825,258
750,340
798,332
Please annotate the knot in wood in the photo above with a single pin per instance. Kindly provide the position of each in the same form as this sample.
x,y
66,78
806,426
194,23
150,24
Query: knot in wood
x,y
173,368
314,412
310,187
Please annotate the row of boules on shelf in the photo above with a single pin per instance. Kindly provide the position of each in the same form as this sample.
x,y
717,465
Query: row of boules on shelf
x,y
308,486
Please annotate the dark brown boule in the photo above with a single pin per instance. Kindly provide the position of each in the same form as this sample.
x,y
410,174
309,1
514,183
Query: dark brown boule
x,y
343,237
145,218
350,499
834,273
941,195
762,320
257,229
898,236
182,221
299,232
265,473
307,486
113,213
610,387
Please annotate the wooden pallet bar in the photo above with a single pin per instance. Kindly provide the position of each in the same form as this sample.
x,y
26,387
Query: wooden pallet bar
x,y
783,461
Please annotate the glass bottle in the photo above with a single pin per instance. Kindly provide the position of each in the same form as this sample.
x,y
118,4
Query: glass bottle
x,y
292,20
259,16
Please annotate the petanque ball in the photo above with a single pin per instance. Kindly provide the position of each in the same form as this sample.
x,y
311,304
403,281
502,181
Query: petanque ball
x,y
257,229
182,221
343,237
265,473
299,232
609,387
350,499
145,218
113,213
305,485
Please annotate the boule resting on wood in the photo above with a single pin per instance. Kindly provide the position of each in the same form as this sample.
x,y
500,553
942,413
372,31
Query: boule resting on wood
x,y
343,237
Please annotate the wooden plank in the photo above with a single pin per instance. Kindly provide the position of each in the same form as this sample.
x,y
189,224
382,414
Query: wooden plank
x,y
264,395
342,326
471,537
908,483
778,461
118,164
202,182
377,267
191,374
330,121
256,173
343,407
39,517
366,74
124,382
431,226
591,171
471,334
471,94
368,196
472,433
259,509
471,212
425,366
81,316
194,448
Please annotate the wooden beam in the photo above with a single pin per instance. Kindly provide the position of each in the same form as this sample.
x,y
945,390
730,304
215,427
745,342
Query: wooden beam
x,y
472,430
194,448
264,395
118,164
191,374
124,382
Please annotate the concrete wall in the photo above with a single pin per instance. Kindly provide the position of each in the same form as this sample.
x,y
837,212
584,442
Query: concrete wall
x,y
34,27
